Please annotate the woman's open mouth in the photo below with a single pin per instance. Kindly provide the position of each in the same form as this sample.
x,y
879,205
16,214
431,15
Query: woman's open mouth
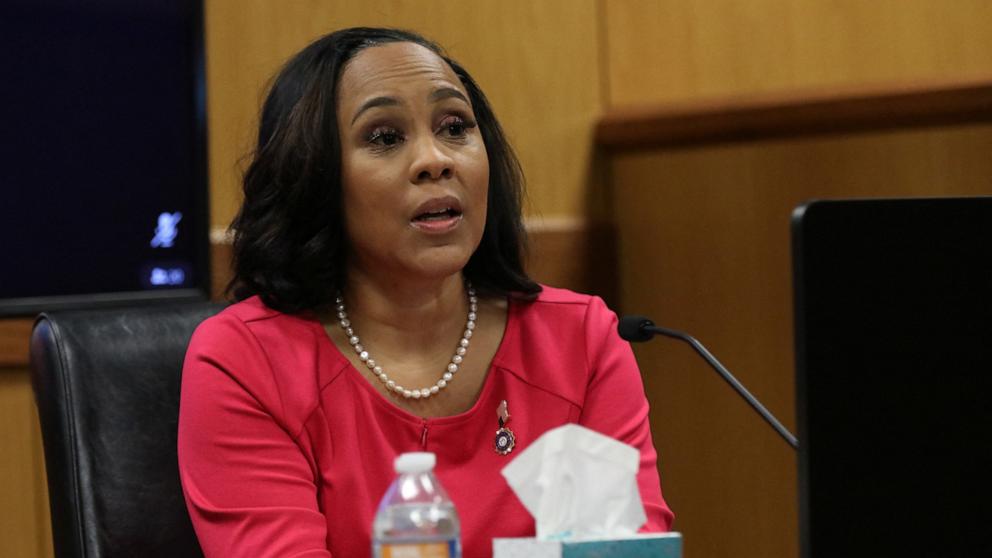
x,y
435,217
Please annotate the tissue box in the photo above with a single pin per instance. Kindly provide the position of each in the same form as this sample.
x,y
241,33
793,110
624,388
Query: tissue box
x,y
655,545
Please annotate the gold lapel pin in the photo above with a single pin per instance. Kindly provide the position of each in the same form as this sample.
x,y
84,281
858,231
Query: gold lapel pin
x,y
505,439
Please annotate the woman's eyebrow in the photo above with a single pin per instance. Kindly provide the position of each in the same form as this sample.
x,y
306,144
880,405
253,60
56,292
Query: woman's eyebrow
x,y
439,94
375,102
446,93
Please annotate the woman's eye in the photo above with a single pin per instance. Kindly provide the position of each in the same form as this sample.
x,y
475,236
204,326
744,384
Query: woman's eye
x,y
384,137
455,127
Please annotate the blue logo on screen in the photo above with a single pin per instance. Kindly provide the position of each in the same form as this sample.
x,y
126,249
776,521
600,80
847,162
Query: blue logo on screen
x,y
166,274
166,231
161,276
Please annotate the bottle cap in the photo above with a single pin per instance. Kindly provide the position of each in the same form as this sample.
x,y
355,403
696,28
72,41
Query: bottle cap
x,y
415,462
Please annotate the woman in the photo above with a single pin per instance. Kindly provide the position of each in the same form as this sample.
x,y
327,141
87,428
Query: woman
x,y
384,309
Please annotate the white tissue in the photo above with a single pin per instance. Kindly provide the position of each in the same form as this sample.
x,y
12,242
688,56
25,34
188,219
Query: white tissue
x,y
578,483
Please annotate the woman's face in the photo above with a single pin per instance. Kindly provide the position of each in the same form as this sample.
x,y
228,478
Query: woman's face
x,y
415,171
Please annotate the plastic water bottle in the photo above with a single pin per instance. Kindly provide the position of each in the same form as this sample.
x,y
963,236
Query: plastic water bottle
x,y
416,519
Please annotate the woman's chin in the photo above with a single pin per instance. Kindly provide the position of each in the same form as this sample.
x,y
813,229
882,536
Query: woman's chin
x,y
439,262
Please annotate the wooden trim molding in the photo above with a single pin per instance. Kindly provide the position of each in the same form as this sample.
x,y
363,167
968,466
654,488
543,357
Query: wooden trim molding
x,y
795,114
15,338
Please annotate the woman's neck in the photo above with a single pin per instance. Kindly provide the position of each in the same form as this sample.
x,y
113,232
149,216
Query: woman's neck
x,y
402,315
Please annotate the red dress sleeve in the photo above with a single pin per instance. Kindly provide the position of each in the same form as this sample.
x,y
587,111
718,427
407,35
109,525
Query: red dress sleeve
x,y
248,481
615,405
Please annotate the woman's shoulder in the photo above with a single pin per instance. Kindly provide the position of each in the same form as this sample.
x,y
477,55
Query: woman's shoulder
x,y
250,315
555,338
566,307
274,356
249,310
556,295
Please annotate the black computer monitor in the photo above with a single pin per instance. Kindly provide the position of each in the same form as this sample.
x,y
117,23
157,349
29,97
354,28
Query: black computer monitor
x,y
893,310
103,180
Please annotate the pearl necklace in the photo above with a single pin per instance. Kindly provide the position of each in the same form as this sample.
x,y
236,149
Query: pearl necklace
x,y
391,385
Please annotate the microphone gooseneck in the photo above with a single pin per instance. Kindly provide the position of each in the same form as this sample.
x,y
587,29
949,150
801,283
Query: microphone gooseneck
x,y
641,328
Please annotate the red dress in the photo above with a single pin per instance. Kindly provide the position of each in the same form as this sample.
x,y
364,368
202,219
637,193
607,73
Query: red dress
x,y
285,448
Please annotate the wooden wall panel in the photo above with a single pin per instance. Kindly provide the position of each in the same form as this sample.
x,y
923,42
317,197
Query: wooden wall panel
x,y
664,50
536,61
703,233
25,527
15,334
704,247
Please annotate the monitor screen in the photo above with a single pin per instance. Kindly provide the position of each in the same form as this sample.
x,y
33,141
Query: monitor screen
x,y
103,163
894,376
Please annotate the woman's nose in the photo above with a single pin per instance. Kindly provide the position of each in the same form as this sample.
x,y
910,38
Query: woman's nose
x,y
431,161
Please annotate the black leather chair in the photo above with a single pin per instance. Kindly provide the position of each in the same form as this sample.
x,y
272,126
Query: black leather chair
x,y
107,387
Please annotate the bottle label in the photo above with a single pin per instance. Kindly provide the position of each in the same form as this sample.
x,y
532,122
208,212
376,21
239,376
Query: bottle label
x,y
419,550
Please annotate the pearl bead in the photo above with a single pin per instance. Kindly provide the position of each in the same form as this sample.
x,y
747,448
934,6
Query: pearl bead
x,y
349,332
470,326
415,394
460,351
435,389
447,376
345,323
399,389
457,359
442,383
452,368
425,392
353,340
340,306
391,385
473,308
370,363
378,371
342,315
473,299
407,393
359,348
471,316
463,342
363,356
467,334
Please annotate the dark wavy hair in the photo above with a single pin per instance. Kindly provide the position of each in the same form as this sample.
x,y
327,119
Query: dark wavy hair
x,y
289,238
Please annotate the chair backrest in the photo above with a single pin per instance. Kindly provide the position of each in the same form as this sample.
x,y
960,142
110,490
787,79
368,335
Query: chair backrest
x,y
107,387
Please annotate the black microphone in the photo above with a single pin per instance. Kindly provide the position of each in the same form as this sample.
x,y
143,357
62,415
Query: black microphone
x,y
641,328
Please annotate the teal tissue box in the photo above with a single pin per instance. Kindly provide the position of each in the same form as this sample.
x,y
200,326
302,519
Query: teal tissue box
x,y
654,545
